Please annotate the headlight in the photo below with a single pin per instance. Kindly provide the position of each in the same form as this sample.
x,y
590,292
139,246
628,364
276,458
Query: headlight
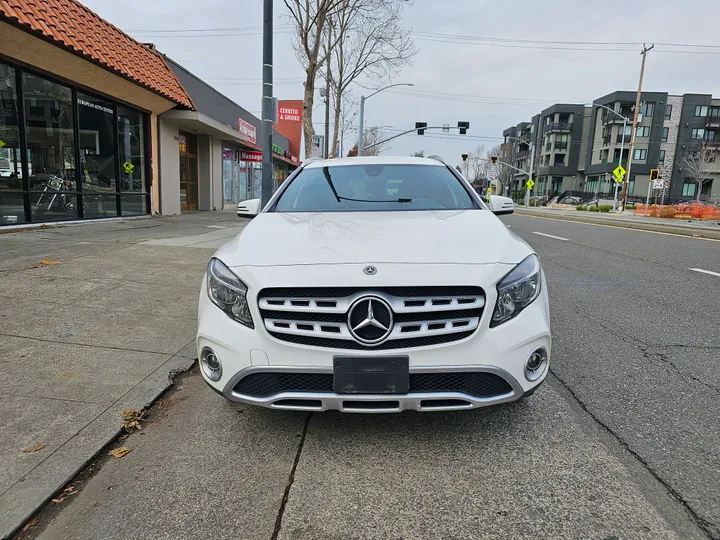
x,y
228,293
517,290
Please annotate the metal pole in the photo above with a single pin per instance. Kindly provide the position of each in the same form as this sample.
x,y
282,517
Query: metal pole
x,y
327,99
267,102
532,162
361,135
634,126
622,149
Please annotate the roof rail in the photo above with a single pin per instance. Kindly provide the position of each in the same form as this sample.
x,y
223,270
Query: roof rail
x,y
310,160
437,158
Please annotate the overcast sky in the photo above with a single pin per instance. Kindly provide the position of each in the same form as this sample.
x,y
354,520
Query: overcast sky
x,y
494,84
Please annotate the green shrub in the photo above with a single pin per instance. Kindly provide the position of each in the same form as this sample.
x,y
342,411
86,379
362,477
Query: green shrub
x,y
593,209
581,207
630,207
605,208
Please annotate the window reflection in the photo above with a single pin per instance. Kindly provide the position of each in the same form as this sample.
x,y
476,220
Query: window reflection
x,y
97,156
12,207
51,149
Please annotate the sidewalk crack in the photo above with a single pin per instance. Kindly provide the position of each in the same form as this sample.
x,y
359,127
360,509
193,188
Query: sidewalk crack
x,y
291,480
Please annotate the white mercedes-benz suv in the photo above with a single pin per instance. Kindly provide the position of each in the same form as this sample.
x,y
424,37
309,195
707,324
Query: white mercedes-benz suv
x,y
374,284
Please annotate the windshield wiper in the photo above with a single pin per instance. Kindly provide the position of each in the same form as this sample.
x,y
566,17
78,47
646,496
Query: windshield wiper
x,y
340,198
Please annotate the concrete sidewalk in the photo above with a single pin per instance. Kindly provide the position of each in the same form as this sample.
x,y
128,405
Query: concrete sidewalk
x,y
104,330
628,220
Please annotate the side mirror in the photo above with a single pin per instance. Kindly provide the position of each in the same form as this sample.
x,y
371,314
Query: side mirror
x,y
501,205
248,209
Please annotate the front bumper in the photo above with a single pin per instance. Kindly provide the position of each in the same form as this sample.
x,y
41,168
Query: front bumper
x,y
502,351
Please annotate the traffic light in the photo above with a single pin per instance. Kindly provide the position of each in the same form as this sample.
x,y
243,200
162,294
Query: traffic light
x,y
420,127
465,157
464,126
493,159
654,174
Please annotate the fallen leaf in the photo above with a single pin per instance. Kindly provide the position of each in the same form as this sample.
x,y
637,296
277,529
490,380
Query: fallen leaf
x,y
30,524
70,490
132,418
34,448
58,500
44,262
119,452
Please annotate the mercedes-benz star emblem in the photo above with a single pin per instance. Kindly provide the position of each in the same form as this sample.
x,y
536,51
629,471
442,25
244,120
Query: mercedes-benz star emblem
x,y
370,270
370,320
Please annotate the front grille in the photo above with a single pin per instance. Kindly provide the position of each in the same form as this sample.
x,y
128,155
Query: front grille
x,y
423,316
475,384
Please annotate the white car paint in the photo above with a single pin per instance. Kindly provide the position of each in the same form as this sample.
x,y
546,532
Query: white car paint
x,y
463,248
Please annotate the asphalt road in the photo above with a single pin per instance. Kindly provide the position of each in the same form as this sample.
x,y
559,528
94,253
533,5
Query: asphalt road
x,y
621,442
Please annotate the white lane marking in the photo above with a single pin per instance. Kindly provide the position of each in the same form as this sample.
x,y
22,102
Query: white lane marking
x,y
705,271
551,236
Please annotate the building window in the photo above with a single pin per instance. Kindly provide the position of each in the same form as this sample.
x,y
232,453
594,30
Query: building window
x,y
640,154
604,155
701,110
666,134
661,157
561,142
642,131
689,188
709,135
557,184
668,112
697,133
12,198
51,148
131,141
631,184
98,180
714,111
646,109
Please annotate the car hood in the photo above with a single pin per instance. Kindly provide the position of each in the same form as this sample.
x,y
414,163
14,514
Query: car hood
x,y
422,237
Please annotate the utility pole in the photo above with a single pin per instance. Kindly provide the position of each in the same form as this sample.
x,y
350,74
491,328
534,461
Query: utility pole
x,y
267,102
327,98
361,135
631,146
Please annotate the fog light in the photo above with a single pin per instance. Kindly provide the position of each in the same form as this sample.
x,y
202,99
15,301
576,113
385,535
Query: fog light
x,y
535,364
210,364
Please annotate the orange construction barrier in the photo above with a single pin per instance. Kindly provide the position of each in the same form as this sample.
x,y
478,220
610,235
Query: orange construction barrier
x,y
693,210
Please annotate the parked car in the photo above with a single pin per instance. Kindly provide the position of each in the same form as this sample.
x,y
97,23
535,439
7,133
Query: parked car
x,y
374,284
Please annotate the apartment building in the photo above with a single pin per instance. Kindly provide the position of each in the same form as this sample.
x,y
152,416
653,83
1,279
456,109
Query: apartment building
x,y
579,146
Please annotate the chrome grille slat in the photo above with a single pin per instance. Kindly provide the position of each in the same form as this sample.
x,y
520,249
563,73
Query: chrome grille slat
x,y
319,329
398,303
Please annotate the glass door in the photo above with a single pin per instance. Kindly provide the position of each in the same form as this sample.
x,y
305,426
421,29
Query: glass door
x,y
188,172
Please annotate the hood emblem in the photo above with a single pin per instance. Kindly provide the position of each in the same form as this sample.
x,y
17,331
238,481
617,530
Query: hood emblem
x,y
369,270
370,320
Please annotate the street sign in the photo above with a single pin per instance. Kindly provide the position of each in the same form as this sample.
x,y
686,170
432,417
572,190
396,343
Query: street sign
x,y
619,179
2,143
530,184
658,184
619,171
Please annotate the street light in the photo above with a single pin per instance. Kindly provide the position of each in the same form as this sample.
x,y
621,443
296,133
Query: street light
x,y
532,164
362,113
622,144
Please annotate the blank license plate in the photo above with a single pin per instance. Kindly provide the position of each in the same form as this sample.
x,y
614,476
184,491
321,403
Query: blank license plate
x,y
371,375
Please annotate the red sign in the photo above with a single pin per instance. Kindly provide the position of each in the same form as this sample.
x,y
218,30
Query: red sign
x,y
290,123
248,130
251,156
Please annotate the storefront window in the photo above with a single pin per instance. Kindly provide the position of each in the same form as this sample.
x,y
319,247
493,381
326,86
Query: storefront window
x,y
97,157
51,149
12,205
131,144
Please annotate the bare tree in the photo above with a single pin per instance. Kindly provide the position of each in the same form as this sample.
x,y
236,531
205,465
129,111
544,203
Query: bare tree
x,y
699,163
310,18
419,153
478,164
371,137
369,41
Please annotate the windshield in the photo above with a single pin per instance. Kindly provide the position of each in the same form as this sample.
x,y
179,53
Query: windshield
x,y
367,188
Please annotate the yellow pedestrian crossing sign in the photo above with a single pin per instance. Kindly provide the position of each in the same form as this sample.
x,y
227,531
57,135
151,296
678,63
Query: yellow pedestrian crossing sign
x,y
530,184
2,143
619,171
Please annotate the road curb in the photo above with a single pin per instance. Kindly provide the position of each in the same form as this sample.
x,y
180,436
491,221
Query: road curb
x,y
625,224
17,510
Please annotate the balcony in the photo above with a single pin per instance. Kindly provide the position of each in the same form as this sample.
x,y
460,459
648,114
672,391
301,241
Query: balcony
x,y
712,122
619,139
606,140
558,127
522,154
611,118
561,145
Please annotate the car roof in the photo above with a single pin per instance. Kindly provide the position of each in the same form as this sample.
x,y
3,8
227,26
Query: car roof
x,y
374,160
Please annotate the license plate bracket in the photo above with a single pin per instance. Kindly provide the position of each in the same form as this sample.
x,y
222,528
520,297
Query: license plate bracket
x,y
371,375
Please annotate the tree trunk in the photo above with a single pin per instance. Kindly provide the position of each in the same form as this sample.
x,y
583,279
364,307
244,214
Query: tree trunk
x,y
336,127
308,101
699,190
